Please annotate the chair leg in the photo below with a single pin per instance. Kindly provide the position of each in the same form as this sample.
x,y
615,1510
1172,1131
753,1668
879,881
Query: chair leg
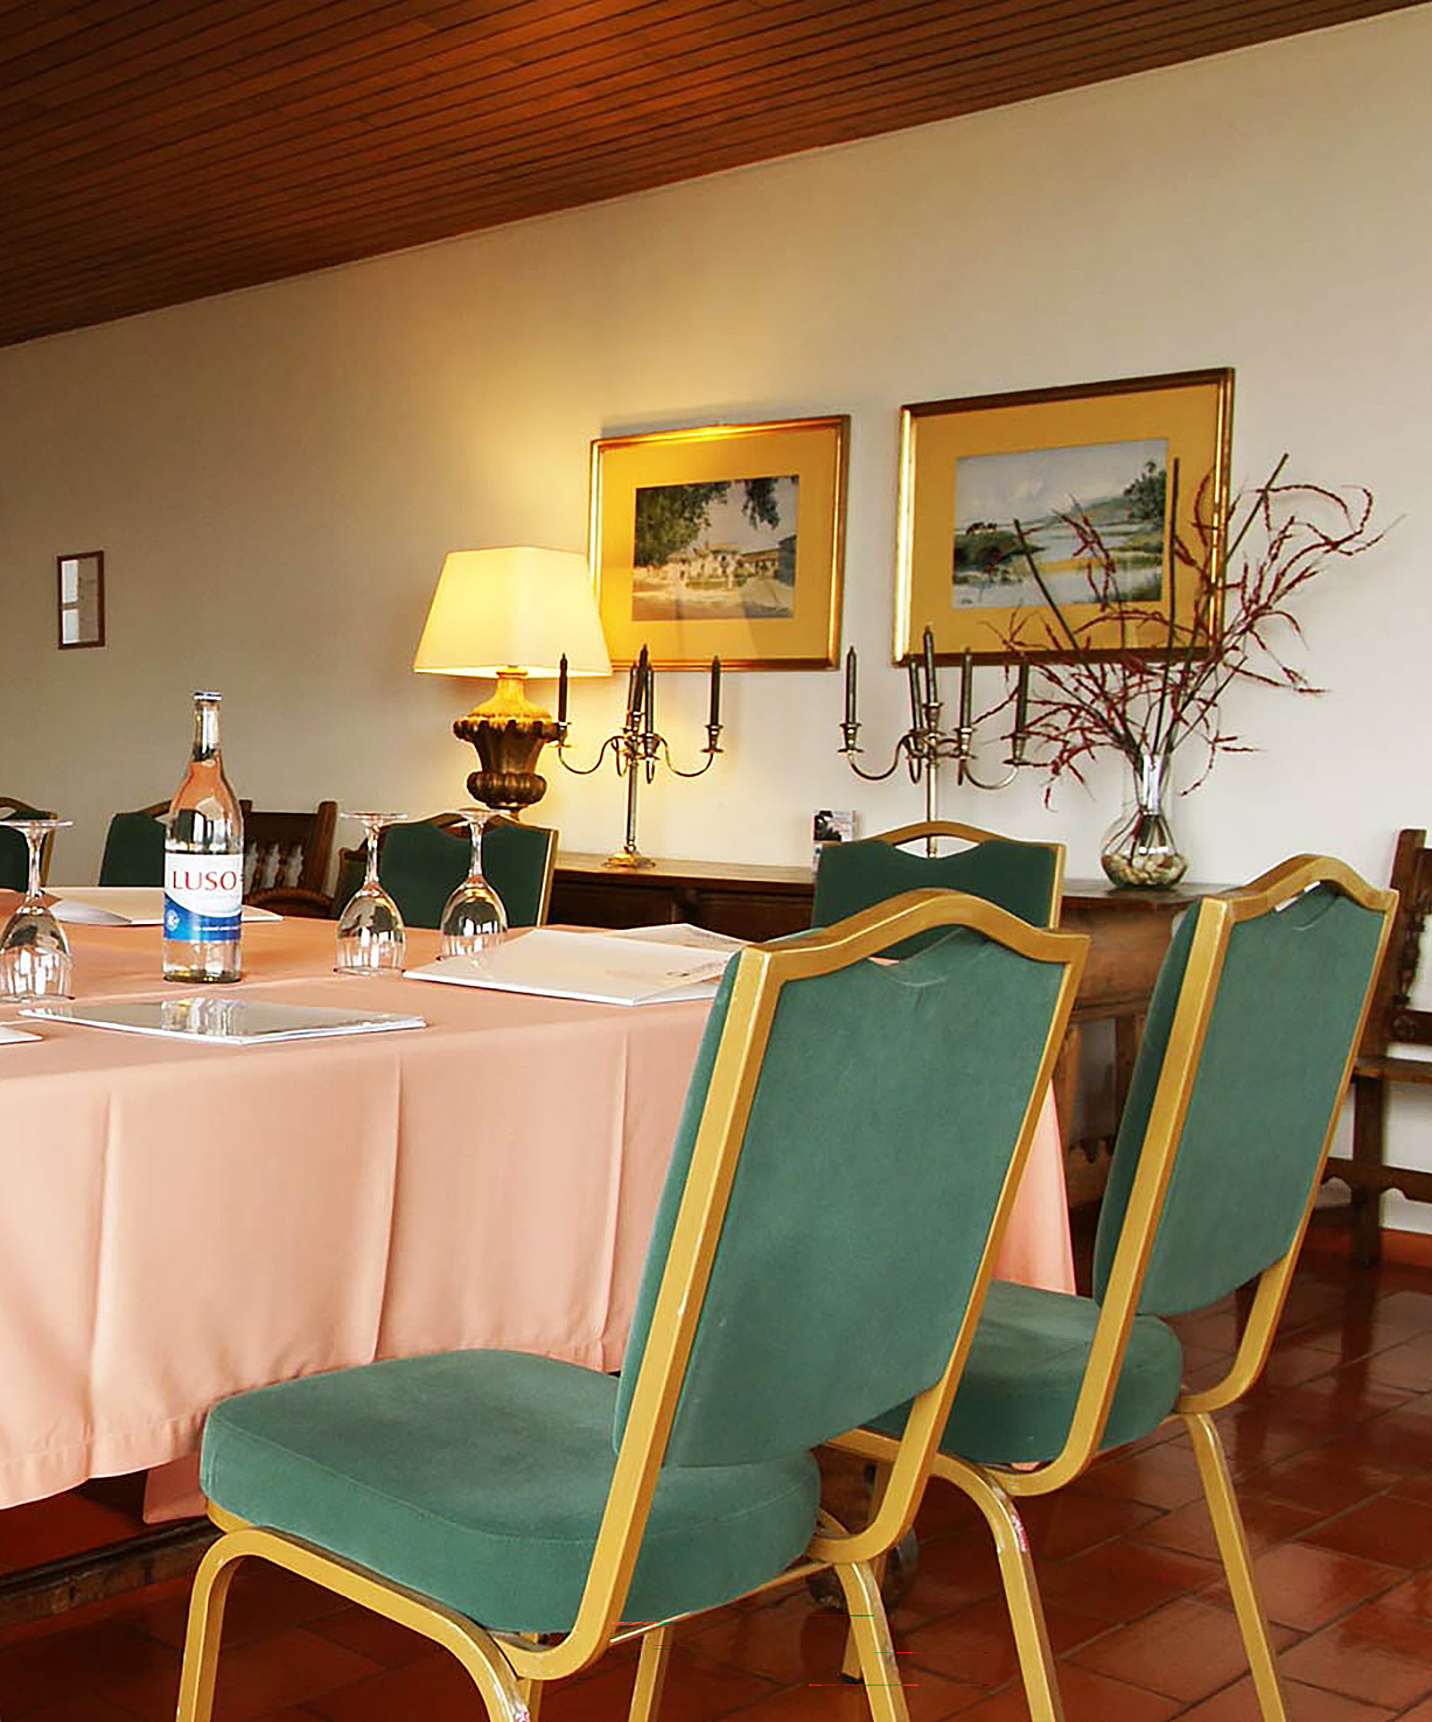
x,y
530,1691
650,1675
1237,1563
1369,1103
1021,1589
879,1665
204,1631
850,1667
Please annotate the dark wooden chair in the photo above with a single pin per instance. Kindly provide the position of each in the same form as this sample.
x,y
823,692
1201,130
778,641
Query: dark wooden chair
x,y
286,859
14,854
1391,1022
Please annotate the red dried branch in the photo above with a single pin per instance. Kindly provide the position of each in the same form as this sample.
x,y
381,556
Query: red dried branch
x,y
1144,699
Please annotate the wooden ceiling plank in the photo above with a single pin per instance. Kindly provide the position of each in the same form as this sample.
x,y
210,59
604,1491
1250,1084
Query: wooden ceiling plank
x,y
520,103
442,70
179,44
375,199
441,148
422,201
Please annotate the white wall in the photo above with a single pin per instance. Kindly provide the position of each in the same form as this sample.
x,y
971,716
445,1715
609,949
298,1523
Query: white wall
x,y
275,475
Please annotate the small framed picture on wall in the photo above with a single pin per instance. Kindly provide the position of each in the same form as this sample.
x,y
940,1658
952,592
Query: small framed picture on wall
x,y
80,599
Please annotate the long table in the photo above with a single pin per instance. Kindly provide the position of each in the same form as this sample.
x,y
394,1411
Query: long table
x,y
183,1221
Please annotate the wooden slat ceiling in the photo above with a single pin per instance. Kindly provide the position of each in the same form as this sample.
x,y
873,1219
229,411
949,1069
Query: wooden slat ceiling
x,y
155,153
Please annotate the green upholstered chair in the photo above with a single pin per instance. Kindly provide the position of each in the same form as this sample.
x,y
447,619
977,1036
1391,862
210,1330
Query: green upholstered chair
x,y
1024,878
1250,1034
14,851
487,1497
134,848
422,863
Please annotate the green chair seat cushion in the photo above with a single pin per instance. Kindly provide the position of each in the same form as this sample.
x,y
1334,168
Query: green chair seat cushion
x,y
479,1478
1016,1398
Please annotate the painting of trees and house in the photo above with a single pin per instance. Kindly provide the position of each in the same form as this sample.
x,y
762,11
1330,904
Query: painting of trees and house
x,y
718,550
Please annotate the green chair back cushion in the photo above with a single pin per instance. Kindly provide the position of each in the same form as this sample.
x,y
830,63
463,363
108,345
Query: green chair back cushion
x,y
14,861
1288,1002
133,851
888,1104
1018,877
421,866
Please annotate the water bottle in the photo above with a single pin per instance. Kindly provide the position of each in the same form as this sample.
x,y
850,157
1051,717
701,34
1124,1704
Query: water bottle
x,y
203,863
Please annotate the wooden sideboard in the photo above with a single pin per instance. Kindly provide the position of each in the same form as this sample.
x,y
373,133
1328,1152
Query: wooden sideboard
x,y
1128,932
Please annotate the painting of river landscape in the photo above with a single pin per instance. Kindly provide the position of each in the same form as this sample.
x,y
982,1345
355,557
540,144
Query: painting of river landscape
x,y
720,550
1119,487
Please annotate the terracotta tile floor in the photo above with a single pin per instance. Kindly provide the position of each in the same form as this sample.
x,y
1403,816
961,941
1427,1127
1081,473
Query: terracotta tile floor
x,y
1333,1455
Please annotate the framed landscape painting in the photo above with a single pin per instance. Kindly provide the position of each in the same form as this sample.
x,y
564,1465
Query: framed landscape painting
x,y
725,542
1144,461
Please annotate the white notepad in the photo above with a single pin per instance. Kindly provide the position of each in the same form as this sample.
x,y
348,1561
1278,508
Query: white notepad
x,y
14,1036
124,906
222,1020
592,966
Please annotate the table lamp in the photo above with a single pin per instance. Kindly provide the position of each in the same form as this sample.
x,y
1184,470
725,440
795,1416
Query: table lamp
x,y
512,613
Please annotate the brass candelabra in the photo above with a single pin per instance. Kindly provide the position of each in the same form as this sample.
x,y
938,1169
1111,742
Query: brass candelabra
x,y
638,747
924,746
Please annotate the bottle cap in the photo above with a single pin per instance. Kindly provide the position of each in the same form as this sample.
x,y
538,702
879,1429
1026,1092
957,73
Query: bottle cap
x,y
198,695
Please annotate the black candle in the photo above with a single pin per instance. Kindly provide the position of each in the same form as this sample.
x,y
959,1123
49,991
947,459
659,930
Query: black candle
x,y
713,717
631,696
967,691
1021,701
931,695
850,685
650,698
562,689
917,717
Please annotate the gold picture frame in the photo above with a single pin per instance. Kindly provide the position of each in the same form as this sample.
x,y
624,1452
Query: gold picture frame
x,y
744,528
970,468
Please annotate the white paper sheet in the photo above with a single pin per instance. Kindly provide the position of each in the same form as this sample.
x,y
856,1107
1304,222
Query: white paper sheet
x,y
591,966
683,933
124,906
14,1036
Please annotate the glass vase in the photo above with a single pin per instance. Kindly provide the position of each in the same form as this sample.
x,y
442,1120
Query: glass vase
x,y
1139,848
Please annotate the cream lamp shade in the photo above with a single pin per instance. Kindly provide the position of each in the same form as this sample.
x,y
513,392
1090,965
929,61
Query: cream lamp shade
x,y
512,613
495,611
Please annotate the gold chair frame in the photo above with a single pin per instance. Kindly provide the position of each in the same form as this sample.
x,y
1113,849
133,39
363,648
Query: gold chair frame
x,y
995,1491
509,1670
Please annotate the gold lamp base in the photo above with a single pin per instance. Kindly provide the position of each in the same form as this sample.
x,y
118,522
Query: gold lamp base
x,y
509,733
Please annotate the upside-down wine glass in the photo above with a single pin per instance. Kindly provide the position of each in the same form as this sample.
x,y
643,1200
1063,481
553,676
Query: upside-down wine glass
x,y
473,917
371,935
35,961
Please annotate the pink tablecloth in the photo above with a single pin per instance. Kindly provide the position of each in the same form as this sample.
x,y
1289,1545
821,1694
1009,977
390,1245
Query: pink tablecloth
x,y
182,1221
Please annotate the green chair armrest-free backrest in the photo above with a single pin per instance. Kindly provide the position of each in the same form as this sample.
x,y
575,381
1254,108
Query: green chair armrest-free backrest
x,y
133,850
421,865
15,852
533,1497
1022,878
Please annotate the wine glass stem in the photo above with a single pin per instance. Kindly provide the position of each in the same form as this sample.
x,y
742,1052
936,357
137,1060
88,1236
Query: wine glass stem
x,y
372,876
475,871
35,839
